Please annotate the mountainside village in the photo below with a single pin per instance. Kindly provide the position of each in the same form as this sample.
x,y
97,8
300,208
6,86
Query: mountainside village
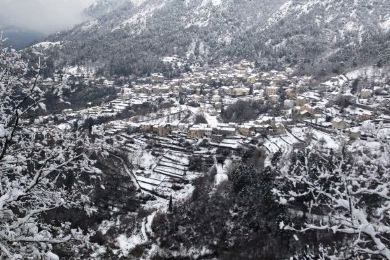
x,y
208,90
195,129
173,121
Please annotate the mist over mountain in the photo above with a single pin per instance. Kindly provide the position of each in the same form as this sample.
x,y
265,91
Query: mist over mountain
x,y
20,38
25,22
45,16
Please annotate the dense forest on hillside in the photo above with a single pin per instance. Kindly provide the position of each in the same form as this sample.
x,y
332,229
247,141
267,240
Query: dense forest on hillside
x,y
315,37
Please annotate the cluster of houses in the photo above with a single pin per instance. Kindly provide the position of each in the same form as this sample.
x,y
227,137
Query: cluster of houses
x,y
264,126
79,75
298,99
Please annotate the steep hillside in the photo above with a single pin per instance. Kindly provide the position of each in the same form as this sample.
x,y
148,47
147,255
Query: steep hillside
x,y
133,38
321,37
103,7
327,36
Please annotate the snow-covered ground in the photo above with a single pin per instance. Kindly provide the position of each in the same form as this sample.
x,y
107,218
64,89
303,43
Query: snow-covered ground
x,y
385,25
368,71
328,140
222,172
73,70
46,45
212,121
137,2
126,244
140,19
232,143
213,2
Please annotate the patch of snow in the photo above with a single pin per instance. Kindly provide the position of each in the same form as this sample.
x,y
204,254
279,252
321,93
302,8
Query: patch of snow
x,y
221,176
52,256
283,201
281,225
149,222
329,141
350,26
161,204
222,171
230,143
383,134
216,2
126,244
213,2
141,17
227,38
105,226
212,121
155,182
137,2
177,158
2,131
74,70
369,71
98,252
46,45
64,126
168,59
89,25
203,49
271,147
385,25
192,253
281,13
147,159
147,186
143,229
306,7
201,18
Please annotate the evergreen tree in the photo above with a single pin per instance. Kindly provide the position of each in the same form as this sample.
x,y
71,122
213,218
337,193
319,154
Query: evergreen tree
x,y
170,205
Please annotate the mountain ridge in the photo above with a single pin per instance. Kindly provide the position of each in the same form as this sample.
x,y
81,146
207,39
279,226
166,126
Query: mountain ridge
x,y
310,35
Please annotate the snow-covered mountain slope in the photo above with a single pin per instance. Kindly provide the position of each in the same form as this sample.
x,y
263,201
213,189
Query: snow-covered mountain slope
x,y
333,35
102,7
131,36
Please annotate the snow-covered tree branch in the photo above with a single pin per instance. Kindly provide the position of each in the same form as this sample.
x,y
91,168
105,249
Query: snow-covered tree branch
x,y
341,192
35,160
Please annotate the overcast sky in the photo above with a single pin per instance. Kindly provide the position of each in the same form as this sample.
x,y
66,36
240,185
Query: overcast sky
x,y
46,16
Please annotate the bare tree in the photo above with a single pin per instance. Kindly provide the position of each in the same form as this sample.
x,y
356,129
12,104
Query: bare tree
x,y
35,160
